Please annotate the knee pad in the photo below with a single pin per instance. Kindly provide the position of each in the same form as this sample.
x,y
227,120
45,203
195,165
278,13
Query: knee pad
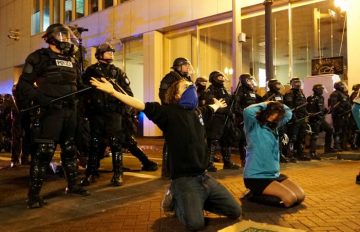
x,y
69,146
115,144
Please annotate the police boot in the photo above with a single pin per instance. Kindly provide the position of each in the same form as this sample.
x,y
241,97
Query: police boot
x,y
68,158
93,162
291,152
313,155
354,140
211,167
228,164
300,155
283,158
328,149
147,165
39,163
337,143
117,179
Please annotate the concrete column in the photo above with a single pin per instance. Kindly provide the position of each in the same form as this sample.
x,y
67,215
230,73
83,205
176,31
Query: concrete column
x,y
353,46
236,46
153,73
268,40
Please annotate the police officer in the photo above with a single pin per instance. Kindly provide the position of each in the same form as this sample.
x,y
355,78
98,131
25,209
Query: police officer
x,y
317,111
296,100
340,107
216,126
105,115
181,69
246,96
55,73
200,84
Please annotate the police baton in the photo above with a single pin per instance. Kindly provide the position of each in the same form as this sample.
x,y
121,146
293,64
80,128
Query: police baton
x,y
299,107
308,116
232,103
58,99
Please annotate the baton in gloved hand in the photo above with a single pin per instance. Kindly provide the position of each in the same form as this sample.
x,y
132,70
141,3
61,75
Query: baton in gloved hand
x,y
58,99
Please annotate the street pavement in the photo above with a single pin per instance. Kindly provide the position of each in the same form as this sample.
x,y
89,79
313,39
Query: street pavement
x,y
332,199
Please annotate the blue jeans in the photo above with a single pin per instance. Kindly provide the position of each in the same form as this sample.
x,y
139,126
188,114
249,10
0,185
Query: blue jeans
x,y
356,114
192,195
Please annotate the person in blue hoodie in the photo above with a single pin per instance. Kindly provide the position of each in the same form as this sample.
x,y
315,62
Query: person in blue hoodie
x,y
262,169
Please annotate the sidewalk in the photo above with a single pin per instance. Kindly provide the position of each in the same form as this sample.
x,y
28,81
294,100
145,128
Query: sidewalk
x,y
332,202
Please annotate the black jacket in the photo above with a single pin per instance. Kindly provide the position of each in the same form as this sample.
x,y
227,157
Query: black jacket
x,y
185,136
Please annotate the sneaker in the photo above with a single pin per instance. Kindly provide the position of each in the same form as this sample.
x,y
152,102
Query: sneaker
x,y
150,166
167,204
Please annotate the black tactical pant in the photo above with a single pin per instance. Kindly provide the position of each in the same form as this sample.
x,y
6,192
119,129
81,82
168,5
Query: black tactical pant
x,y
341,131
57,126
105,126
317,127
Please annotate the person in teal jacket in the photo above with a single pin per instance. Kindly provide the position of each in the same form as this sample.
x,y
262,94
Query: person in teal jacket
x,y
262,169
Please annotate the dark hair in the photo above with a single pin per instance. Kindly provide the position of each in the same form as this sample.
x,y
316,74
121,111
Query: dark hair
x,y
171,92
271,108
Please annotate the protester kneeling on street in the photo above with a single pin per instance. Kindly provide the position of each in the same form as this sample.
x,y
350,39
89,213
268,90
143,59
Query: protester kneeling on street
x,y
262,169
182,123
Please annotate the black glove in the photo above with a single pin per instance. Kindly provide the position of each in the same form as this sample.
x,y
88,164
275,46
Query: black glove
x,y
43,100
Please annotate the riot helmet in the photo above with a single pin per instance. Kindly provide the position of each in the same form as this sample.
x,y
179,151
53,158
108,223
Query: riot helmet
x,y
62,37
248,81
318,89
217,78
274,85
340,86
356,87
101,49
182,66
200,83
295,83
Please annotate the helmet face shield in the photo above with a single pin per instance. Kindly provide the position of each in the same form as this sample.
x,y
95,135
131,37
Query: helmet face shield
x,y
65,35
251,82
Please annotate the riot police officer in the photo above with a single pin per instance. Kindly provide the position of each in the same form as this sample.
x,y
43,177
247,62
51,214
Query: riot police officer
x,y
340,107
181,70
56,74
317,111
245,96
105,115
216,125
296,100
200,84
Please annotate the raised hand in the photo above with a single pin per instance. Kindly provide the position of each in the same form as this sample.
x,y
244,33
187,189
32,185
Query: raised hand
x,y
103,85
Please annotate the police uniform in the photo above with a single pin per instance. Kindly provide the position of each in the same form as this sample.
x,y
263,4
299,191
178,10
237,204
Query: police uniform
x,y
55,76
105,116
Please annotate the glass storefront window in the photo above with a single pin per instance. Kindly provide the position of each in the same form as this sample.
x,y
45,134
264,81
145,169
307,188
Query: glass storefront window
x,y
80,8
68,11
35,17
180,44
93,6
46,14
214,51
